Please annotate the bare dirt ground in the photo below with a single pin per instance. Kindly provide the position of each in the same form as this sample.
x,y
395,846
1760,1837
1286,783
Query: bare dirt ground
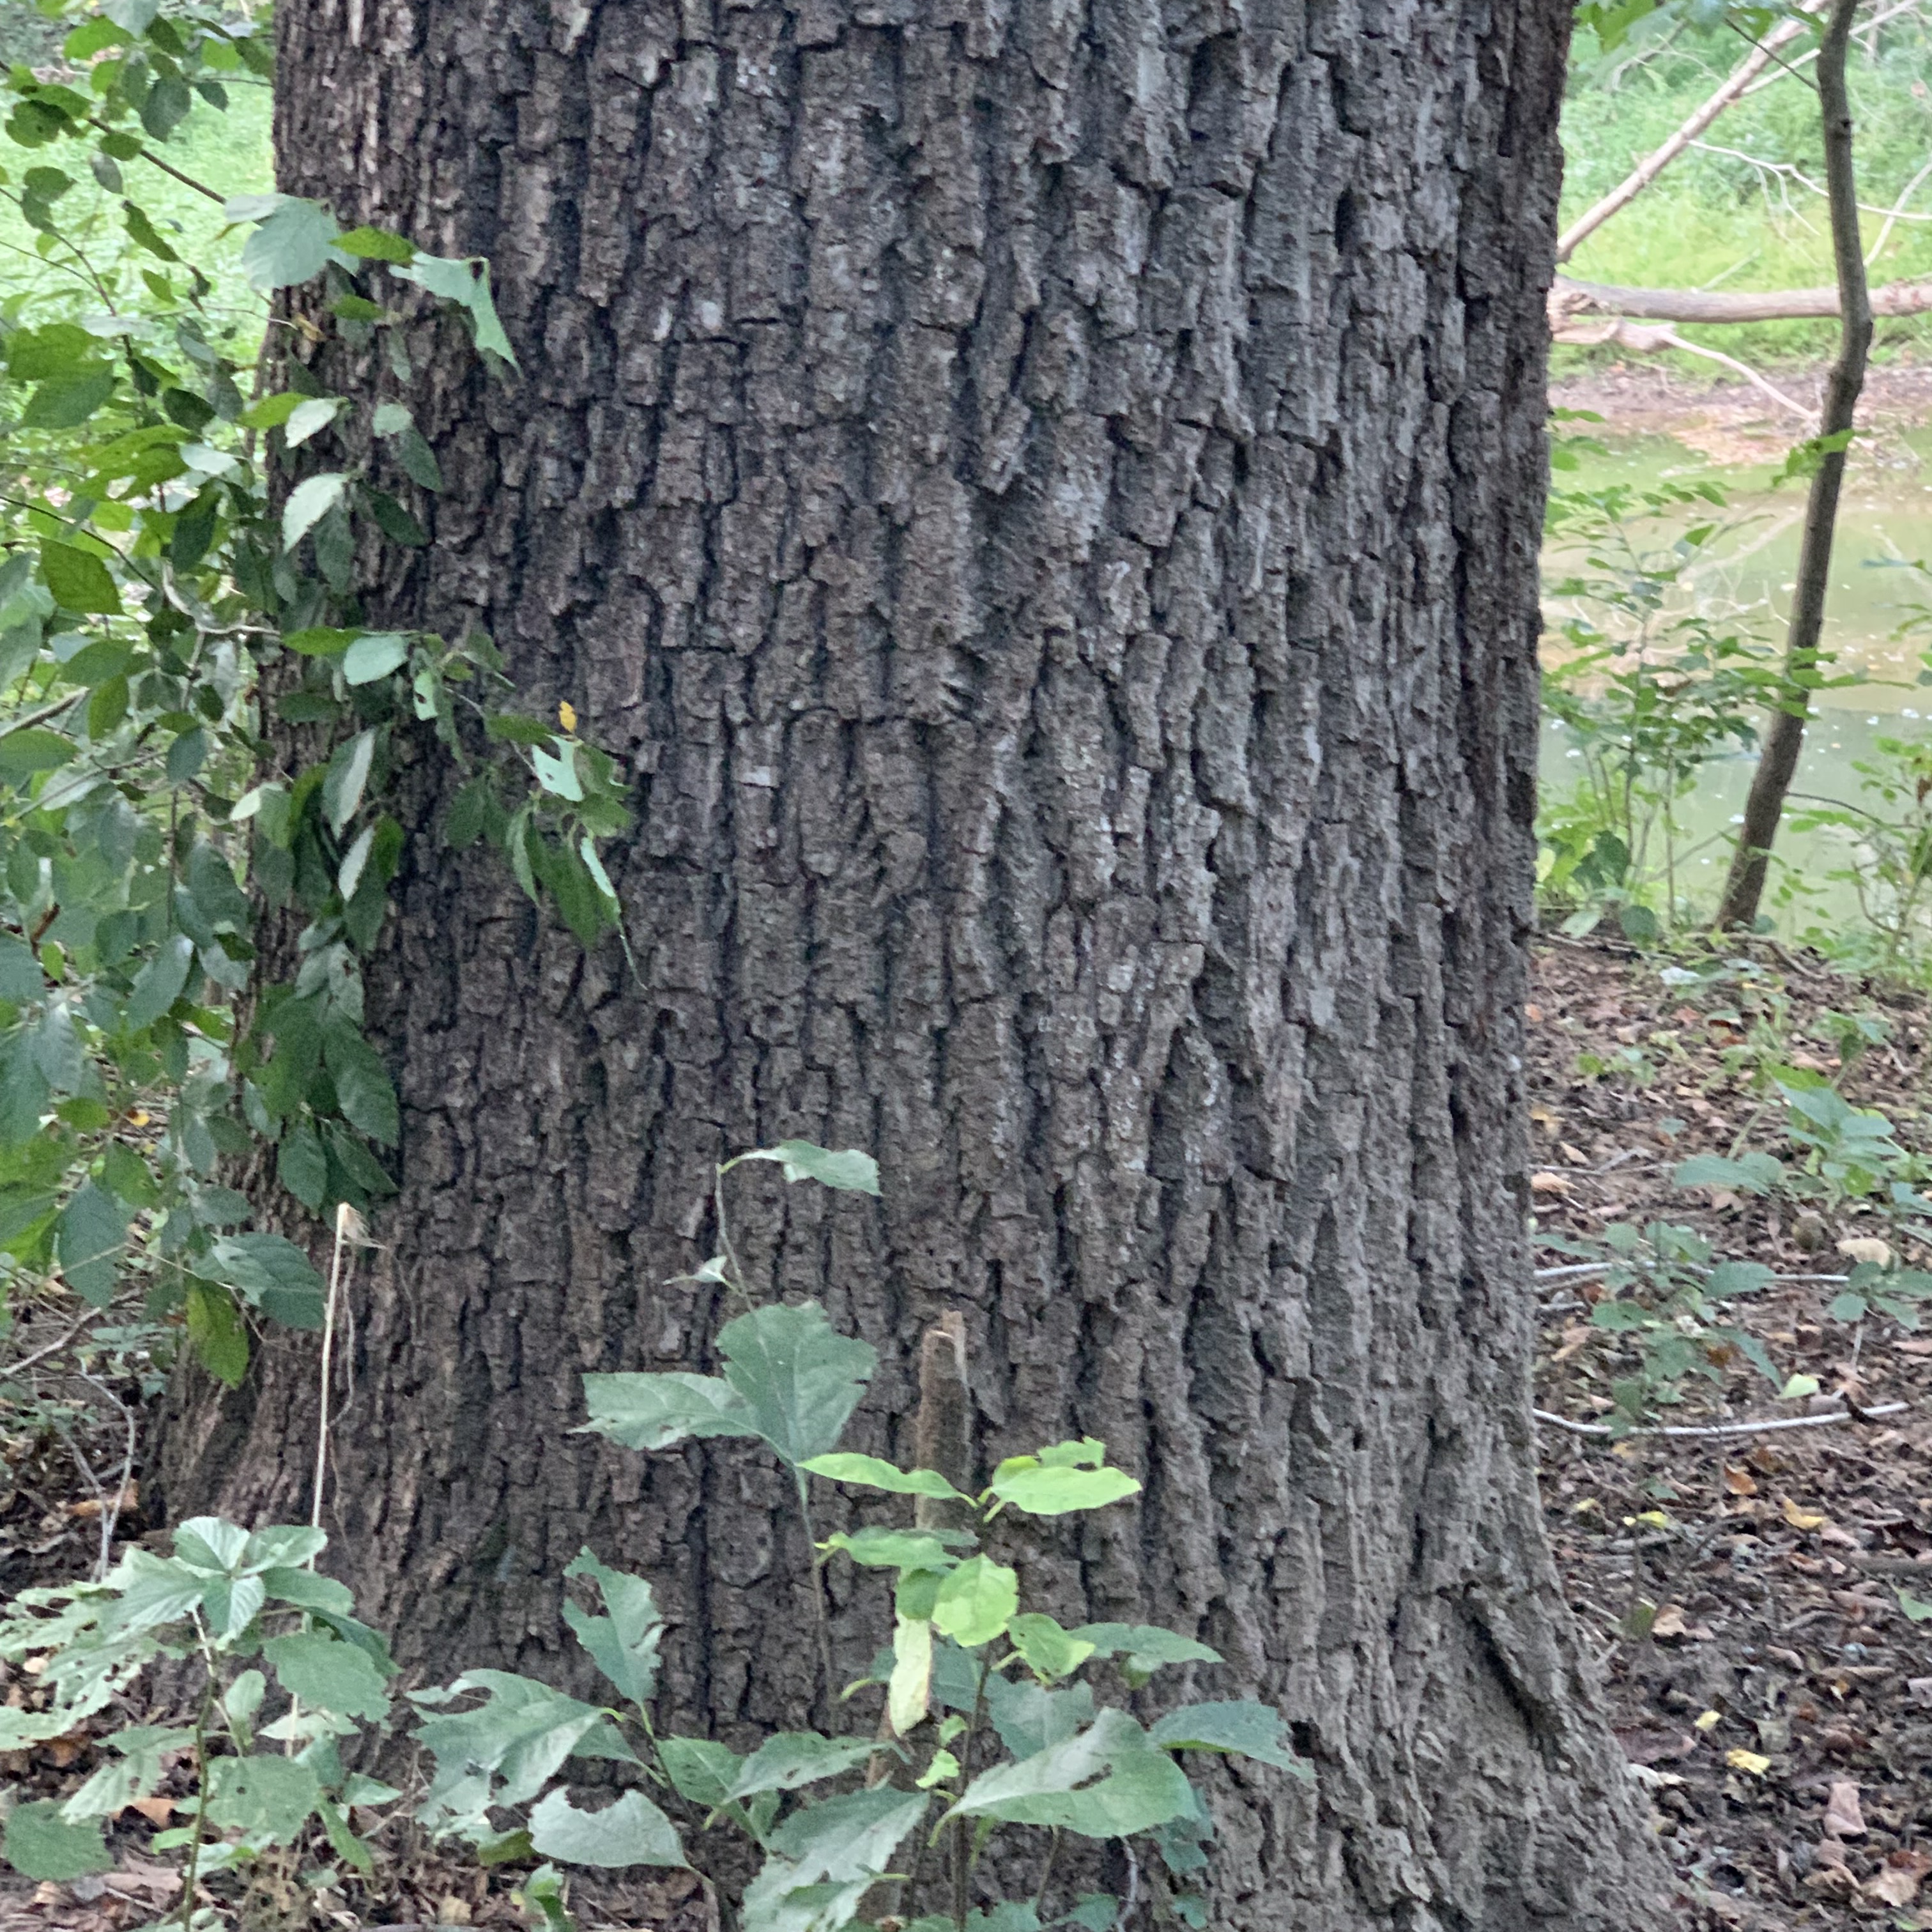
x,y
1730,421
1752,1601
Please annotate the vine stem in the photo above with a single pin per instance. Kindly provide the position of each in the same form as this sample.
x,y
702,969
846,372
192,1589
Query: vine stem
x,y
962,1854
342,1212
201,1800
822,1616
1046,1872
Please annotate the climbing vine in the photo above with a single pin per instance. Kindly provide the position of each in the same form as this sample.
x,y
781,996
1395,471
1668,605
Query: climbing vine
x,y
198,730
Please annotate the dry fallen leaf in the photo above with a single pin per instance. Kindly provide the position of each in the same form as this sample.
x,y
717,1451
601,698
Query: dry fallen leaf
x,y
1898,1883
1670,1621
1866,1248
1739,1480
1800,1518
1749,1761
1544,1181
1533,1013
1915,1345
1709,1720
1575,1156
1572,1339
1843,1818
156,1810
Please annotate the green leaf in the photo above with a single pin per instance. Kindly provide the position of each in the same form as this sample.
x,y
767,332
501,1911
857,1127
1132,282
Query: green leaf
x,y
523,1732
159,983
1049,1651
373,655
310,417
270,1273
215,1333
63,402
306,1590
1144,1648
88,1238
39,1843
1028,1717
293,238
699,1770
327,1674
133,1774
269,1797
1045,1491
301,1166
847,1836
1915,1608
625,1643
775,1902
1141,1787
363,1088
653,1411
22,753
309,502
893,1548
1753,1173
348,774
975,1601
873,1473
20,980
850,1170
79,581
466,282
792,1758
1730,1278
799,1378
375,244
1239,1725
632,1831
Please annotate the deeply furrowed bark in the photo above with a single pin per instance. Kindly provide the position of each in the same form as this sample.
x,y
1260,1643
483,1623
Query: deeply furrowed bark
x,y
1045,498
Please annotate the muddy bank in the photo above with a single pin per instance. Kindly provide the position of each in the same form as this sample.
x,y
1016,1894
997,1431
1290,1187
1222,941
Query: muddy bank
x,y
1730,421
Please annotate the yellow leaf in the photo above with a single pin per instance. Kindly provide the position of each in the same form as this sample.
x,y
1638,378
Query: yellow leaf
x,y
1709,1720
566,715
1750,1761
912,1674
1799,1518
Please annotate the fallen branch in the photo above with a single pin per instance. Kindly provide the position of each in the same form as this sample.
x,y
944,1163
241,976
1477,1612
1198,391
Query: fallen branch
x,y
1646,338
1570,300
1723,1428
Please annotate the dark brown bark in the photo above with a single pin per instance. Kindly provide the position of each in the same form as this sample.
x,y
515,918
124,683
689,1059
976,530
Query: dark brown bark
x,y
1784,735
1046,500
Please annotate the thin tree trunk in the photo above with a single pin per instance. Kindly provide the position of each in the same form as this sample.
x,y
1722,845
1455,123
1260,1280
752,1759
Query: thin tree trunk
x,y
1045,500
1744,887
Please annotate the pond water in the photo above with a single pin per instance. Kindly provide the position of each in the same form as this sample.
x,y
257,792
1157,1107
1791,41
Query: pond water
x,y
1744,581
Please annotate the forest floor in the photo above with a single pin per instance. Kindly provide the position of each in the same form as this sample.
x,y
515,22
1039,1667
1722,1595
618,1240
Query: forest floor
x,y
1759,1604
1758,1601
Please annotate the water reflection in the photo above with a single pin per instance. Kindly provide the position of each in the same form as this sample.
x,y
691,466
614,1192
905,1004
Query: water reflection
x,y
1744,581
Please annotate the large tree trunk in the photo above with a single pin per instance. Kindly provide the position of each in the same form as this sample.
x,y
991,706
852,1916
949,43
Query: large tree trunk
x,y
1045,498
